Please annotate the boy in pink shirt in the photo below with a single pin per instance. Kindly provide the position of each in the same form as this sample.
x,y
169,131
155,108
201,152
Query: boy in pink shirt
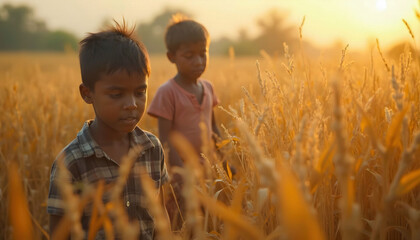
x,y
185,100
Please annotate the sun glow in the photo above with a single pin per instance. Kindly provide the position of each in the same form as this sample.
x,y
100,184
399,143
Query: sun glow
x,y
381,5
352,21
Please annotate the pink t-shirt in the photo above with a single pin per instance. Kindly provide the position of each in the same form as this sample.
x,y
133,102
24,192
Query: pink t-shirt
x,y
174,103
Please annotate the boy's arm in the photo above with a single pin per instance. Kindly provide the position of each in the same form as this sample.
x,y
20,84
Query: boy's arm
x,y
55,223
54,220
216,132
163,203
165,127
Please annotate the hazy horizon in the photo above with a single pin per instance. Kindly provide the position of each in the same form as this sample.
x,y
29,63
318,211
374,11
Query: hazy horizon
x,y
356,22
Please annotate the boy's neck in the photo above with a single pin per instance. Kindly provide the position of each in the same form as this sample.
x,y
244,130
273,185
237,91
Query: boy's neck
x,y
185,81
114,144
105,136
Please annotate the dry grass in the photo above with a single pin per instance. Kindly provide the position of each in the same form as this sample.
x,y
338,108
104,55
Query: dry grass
x,y
324,147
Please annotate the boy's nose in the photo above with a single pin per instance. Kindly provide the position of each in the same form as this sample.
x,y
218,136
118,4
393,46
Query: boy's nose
x,y
198,60
130,103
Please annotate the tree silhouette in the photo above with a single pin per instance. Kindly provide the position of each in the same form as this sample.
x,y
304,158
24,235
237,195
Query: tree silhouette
x,y
20,30
245,45
274,32
152,33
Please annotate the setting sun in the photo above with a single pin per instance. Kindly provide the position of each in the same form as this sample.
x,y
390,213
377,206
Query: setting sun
x,y
355,22
381,5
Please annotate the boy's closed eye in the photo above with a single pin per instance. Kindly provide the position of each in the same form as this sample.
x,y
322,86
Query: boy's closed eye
x,y
188,55
141,92
115,94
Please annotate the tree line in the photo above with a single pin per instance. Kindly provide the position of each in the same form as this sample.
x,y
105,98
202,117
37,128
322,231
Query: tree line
x,y
21,30
273,31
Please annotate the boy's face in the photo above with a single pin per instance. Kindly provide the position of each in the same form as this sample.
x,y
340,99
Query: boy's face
x,y
190,59
119,100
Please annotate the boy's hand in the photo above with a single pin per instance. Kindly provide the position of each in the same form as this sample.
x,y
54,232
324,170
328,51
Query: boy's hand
x,y
177,183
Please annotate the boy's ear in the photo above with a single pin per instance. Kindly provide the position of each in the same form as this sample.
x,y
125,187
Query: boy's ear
x,y
85,93
170,56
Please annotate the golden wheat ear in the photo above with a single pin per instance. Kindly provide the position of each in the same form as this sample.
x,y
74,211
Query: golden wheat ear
x,y
19,215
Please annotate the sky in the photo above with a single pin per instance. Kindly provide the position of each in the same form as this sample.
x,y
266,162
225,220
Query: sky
x,y
354,22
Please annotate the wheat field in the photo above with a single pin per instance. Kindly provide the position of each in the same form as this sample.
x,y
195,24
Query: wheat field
x,y
325,147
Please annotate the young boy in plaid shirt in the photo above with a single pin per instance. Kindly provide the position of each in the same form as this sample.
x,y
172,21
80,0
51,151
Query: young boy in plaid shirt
x,y
115,69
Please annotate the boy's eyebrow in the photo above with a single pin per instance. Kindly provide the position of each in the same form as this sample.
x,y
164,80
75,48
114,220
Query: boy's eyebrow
x,y
144,85
114,88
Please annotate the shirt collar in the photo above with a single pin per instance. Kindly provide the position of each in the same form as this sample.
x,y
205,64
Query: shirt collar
x,y
89,146
205,90
139,137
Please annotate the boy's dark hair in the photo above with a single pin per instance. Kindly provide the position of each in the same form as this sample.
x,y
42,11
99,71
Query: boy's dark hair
x,y
111,50
182,30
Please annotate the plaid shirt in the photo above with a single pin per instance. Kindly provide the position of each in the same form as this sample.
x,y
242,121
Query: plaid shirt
x,y
88,164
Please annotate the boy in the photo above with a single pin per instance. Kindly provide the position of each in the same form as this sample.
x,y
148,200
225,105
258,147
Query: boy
x,y
185,100
115,69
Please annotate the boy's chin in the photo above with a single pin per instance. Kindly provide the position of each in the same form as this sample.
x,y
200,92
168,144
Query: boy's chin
x,y
197,75
128,129
193,75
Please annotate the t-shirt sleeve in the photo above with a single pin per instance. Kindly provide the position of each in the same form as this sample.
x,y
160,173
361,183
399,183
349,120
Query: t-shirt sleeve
x,y
162,104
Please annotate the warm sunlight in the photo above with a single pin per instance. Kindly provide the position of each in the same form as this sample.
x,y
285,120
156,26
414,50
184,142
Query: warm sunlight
x,y
381,5
265,119
355,22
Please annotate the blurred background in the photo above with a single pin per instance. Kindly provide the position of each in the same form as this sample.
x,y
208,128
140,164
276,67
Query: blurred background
x,y
246,25
315,80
